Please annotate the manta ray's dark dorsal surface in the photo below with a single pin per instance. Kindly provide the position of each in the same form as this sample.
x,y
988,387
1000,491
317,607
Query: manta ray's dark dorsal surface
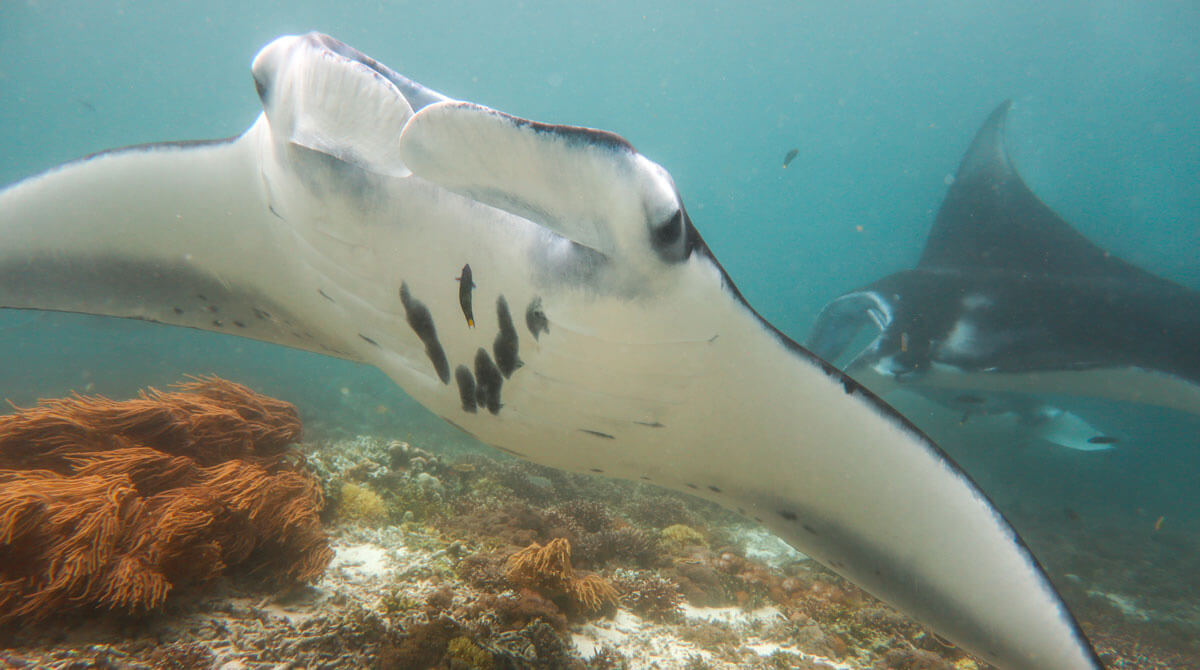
x,y
1008,296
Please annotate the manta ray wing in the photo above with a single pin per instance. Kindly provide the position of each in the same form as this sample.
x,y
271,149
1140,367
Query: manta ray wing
x,y
606,336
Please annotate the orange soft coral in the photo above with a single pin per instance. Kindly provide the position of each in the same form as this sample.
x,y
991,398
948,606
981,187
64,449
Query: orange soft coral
x,y
549,569
114,504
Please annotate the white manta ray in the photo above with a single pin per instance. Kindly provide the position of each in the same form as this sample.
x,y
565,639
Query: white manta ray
x,y
605,338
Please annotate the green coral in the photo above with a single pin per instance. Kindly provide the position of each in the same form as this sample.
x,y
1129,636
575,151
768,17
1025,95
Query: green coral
x,y
359,504
676,539
488,488
424,503
396,602
464,653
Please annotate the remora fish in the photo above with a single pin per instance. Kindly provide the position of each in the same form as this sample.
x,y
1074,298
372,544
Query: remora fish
x,y
332,223
1007,300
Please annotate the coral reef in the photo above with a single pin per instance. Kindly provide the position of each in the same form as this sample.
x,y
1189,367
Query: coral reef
x,y
359,504
648,594
115,504
548,568
678,538
488,562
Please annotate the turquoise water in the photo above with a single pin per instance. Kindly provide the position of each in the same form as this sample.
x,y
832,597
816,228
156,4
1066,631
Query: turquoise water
x,y
880,99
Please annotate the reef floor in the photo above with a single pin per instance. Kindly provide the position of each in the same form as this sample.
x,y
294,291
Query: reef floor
x,y
470,560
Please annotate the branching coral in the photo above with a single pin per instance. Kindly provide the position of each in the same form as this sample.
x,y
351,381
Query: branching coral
x,y
549,568
114,504
649,594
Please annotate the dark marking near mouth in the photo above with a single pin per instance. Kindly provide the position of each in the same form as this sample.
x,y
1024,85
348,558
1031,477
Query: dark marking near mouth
x,y
421,321
465,284
535,318
367,339
650,424
788,514
506,343
466,388
488,381
597,433
1102,439
325,295
713,489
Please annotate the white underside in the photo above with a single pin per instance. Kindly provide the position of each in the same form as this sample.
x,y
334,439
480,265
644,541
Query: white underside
x,y
692,389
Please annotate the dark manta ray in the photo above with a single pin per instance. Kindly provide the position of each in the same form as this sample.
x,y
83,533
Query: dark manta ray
x,y
1009,298
607,337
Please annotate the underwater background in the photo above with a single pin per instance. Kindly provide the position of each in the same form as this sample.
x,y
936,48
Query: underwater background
x,y
879,98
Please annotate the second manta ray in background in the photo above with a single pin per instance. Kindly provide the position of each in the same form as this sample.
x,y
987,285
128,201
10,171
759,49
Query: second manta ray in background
x,y
607,337
1009,300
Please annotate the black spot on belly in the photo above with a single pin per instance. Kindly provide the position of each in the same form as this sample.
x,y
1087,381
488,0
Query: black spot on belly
x,y
487,381
466,388
535,318
788,514
506,342
421,321
465,285
367,339
713,489
597,433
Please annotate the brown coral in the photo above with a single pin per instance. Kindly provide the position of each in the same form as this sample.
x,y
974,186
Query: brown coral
x,y
548,568
114,504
